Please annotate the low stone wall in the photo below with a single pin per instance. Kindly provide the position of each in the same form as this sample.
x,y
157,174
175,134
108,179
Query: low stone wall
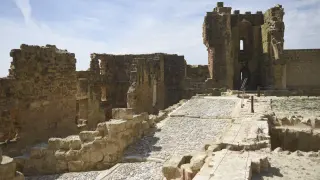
x,y
8,169
90,150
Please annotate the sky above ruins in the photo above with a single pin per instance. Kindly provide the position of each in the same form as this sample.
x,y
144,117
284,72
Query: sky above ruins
x,y
135,26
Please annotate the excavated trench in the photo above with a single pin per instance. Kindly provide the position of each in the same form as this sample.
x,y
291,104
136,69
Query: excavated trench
x,y
295,124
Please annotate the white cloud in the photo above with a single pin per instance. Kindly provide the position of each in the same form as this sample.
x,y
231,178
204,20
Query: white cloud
x,y
124,26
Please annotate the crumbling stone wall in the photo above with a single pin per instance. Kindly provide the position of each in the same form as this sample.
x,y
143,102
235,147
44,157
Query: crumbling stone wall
x,y
156,82
9,123
174,75
90,150
108,85
195,81
197,73
273,69
302,70
217,39
262,38
40,98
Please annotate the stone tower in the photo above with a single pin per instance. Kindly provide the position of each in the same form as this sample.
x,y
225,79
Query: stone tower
x,y
245,46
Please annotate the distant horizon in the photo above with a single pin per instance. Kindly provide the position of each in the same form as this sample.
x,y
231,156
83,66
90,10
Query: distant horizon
x,y
136,27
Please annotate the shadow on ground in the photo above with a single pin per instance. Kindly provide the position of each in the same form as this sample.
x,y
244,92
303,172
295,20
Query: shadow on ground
x,y
273,171
144,146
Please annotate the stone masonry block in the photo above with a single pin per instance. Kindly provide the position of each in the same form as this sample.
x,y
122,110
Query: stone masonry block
x,y
75,166
197,161
115,126
7,168
54,143
88,136
171,168
72,142
18,176
122,113
37,152
102,129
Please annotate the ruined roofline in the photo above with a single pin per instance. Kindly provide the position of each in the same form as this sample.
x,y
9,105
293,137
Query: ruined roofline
x,y
151,54
247,13
34,48
305,50
197,65
237,12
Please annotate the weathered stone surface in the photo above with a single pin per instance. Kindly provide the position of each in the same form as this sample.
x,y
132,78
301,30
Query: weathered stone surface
x,y
7,168
43,81
197,161
72,155
54,143
145,125
102,129
171,168
37,152
73,142
60,154
87,136
115,126
122,113
75,166
187,172
61,166
18,176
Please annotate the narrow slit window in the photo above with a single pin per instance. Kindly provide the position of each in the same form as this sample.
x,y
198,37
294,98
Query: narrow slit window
x,y
241,45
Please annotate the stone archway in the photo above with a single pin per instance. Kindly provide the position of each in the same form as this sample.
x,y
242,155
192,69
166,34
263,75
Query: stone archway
x,y
244,74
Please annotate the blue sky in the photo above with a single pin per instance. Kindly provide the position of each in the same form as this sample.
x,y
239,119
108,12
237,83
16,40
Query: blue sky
x,y
135,26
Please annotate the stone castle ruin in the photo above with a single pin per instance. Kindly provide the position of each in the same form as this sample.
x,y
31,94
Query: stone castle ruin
x,y
252,45
54,119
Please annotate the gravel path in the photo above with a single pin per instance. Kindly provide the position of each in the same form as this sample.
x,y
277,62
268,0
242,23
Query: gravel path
x,y
179,135
68,176
137,171
176,135
208,108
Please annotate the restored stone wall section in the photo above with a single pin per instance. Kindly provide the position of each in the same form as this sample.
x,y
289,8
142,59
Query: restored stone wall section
x,y
302,70
45,83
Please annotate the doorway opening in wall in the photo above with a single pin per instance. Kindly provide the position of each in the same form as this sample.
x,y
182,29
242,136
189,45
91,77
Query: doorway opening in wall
x,y
244,76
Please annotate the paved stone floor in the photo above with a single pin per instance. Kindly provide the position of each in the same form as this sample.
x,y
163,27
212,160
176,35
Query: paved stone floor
x,y
208,107
176,135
